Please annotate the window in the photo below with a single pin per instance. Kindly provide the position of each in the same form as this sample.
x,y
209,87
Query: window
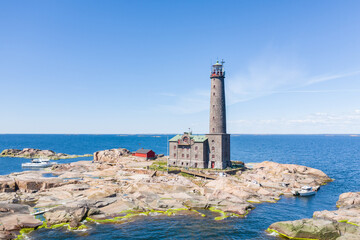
x,y
213,140
196,156
213,106
213,148
213,94
187,155
196,147
174,147
182,163
213,156
174,154
213,118
187,164
213,131
214,86
182,155
195,165
174,163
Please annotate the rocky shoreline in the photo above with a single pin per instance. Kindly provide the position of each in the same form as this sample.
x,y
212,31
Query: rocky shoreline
x,y
116,187
37,153
342,224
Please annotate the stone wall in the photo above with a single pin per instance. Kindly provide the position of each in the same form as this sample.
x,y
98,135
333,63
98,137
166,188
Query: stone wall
x,y
217,106
193,156
219,150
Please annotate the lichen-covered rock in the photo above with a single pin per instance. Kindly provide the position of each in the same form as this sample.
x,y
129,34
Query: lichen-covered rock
x,y
110,156
10,152
307,229
6,209
348,199
14,217
350,215
340,224
30,183
71,215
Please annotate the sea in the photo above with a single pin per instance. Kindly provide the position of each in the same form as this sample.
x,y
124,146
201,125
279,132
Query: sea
x,y
336,155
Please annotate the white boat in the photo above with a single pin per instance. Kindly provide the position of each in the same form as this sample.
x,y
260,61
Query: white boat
x,y
38,163
306,191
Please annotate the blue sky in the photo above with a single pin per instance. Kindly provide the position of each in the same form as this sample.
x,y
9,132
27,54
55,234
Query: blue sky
x,y
143,66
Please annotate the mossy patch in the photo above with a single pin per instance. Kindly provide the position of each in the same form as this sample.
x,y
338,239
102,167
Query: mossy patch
x,y
201,214
347,221
26,231
59,225
186,175
158,166
224,215
81,227
131,214
23,232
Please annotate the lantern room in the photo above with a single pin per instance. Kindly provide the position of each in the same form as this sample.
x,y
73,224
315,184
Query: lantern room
x,y
217,69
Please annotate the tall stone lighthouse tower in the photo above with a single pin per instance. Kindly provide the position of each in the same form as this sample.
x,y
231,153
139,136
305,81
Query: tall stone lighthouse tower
x,y
219,140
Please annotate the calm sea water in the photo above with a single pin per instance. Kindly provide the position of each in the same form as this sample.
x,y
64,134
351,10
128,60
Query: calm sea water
x,y
336,155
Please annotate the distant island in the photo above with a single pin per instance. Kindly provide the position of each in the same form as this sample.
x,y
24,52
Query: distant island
x,y
37,153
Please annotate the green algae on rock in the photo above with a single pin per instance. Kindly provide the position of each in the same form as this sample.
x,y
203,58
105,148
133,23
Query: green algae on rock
x,y
285,236
131,214
224,214
24,232
325,225
307,229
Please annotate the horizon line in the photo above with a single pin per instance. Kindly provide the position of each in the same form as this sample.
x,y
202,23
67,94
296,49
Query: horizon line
x,y
177,134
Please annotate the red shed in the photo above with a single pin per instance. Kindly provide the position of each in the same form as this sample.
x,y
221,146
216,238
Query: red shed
x,y
145,153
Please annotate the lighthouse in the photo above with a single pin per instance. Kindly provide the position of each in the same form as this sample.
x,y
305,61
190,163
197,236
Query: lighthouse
x,y
217,100
211,150
219,140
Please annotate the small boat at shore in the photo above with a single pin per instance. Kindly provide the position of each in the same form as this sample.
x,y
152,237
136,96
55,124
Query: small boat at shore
x,y
305,191
38,163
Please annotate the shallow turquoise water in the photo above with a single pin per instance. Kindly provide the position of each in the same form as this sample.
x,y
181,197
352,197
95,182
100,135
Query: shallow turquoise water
x,y
337,155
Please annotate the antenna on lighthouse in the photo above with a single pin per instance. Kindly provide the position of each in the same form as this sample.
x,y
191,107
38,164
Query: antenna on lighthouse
x,y
222,61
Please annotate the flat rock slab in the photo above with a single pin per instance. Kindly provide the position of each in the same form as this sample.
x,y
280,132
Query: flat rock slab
x,y
18,221
8,208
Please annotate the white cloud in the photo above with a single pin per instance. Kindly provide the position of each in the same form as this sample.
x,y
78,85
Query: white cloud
x,y
329,119
263,76
321,122
273,75
325,78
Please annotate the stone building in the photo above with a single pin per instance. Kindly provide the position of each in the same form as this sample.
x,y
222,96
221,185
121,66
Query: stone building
x,y
188,150
211,150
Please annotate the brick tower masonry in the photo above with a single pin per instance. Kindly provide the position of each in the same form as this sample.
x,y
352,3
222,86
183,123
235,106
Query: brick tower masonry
x,y
218,139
